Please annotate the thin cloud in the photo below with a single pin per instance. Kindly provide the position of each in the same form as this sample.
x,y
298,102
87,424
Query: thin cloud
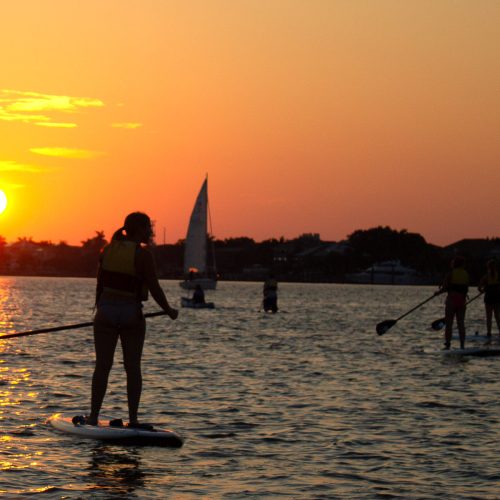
x,y
81,154
14,166
36,102
11,187
30,107
56,125
127,125
8,116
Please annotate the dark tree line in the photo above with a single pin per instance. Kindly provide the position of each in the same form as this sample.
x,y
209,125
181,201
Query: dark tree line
x,y
305,258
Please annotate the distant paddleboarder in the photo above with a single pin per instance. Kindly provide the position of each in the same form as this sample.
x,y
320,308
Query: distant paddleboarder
x,y
456,285
270,291
198,295
126,273
490,285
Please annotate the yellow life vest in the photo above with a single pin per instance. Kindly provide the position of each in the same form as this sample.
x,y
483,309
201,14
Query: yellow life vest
x,y
271,285
459,280
118,273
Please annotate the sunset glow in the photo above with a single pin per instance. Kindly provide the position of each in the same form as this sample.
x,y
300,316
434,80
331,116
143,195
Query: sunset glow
x,y
324,116
3,201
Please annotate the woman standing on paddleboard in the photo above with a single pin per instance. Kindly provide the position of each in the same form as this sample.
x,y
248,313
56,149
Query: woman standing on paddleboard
x,y
126,273
490,285
456,284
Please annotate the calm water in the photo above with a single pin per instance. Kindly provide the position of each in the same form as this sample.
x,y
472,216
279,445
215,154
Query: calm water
x,y
307,403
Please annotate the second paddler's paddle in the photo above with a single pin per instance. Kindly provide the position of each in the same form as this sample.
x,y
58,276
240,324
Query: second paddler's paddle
x,y
383,326
65,327
439,323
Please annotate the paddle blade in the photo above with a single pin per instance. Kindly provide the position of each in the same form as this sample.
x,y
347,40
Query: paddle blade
x,y
383,326
438,324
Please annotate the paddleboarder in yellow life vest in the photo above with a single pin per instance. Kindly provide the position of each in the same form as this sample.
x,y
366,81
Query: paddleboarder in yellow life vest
x,y
456,285
126,273
490,285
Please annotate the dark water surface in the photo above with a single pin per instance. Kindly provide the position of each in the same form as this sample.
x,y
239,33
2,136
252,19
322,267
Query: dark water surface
x,y
307,403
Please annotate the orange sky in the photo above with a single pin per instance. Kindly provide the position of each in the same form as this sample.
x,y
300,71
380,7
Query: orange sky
x,y
321,116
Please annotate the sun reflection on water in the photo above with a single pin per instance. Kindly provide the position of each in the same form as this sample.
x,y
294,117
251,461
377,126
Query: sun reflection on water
x,y
8,305
10,374
13,378
305,386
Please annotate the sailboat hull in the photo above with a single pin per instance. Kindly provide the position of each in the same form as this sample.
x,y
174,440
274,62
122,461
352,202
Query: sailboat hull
x,y
187,302
205,283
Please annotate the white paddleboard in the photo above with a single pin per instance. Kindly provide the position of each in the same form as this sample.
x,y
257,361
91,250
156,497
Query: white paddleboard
x,y
470,351
471,337
122,435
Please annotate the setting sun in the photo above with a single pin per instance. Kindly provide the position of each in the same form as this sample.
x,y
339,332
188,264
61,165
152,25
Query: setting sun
x,y
3,201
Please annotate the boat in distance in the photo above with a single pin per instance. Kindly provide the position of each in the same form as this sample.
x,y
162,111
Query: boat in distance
x,y
196,269
390,272
205,283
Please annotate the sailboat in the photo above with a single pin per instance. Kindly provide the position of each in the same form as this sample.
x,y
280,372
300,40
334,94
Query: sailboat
x,y
196,268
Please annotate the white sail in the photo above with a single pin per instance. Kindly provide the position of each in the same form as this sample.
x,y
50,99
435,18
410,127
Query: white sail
x,y
195,253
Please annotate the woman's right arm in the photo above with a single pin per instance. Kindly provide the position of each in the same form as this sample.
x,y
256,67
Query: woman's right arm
x,y
445,285
154,286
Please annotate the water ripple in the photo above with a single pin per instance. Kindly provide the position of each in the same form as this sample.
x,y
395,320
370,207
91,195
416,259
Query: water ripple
x,y
310,403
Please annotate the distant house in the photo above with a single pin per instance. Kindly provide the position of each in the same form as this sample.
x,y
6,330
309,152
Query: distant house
x,y
324,250
255,273
24,253
283,253
479,247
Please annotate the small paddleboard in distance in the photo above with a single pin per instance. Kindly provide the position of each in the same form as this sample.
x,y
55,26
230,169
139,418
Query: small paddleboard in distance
x,y
115,433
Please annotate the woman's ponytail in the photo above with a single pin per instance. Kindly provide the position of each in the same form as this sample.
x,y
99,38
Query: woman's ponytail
x,y
118,234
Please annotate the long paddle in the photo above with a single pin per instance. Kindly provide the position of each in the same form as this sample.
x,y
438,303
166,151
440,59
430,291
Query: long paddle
x,y
439,323
383,326
65,327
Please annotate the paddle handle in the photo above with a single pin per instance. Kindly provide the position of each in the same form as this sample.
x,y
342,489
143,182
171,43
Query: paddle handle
x,y
419,305
66,327
474,298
